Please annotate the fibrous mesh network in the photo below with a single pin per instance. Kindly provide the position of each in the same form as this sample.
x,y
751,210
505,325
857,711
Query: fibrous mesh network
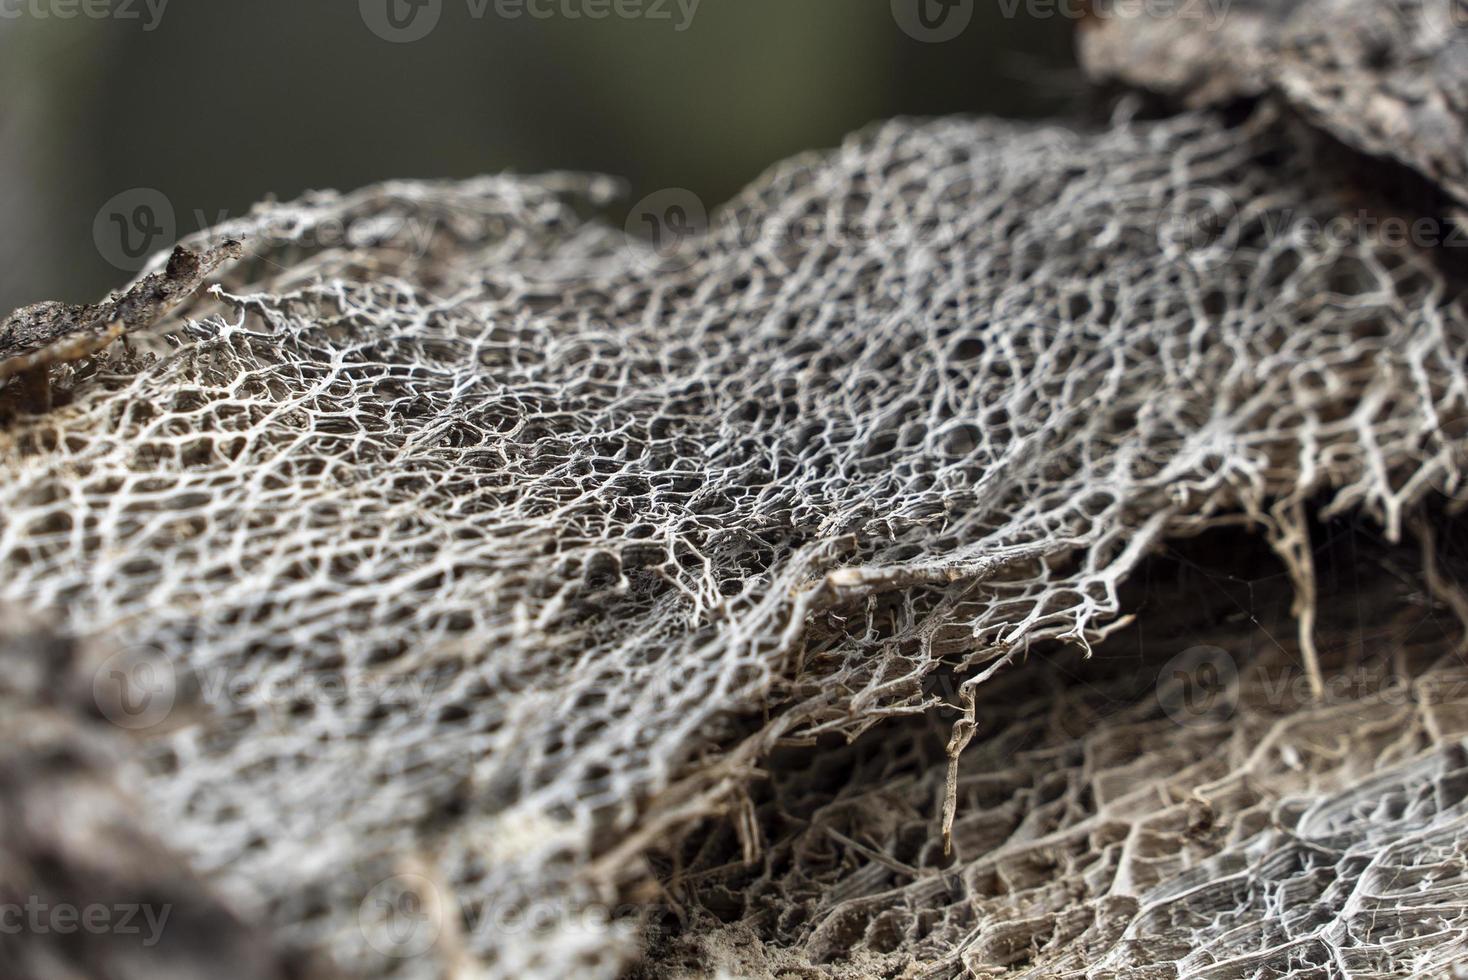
x,y
456,557
1179,805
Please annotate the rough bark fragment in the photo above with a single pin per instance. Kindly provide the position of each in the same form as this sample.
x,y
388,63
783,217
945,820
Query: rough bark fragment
x,y
39,336
1386,77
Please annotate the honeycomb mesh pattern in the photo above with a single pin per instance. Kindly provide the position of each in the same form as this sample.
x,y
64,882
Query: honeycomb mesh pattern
x,y
1113,828
610,523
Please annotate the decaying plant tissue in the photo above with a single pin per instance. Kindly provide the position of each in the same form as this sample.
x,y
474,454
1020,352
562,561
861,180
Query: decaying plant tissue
x,y
1058,580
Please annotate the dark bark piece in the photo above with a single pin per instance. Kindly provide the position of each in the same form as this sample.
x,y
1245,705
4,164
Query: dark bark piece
x,y
1210,56
39,336
1386,77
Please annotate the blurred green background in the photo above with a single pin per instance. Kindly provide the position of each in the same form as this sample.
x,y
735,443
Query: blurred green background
x,y
216,104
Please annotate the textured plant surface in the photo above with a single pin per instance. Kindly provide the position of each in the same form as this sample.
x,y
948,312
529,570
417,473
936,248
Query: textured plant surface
x,y
440,586
1179,805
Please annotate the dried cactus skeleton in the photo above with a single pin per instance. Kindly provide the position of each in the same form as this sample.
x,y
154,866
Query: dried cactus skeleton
x,y
469,582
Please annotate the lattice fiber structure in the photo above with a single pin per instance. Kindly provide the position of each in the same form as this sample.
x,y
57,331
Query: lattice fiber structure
x,y
1179,805
442,569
